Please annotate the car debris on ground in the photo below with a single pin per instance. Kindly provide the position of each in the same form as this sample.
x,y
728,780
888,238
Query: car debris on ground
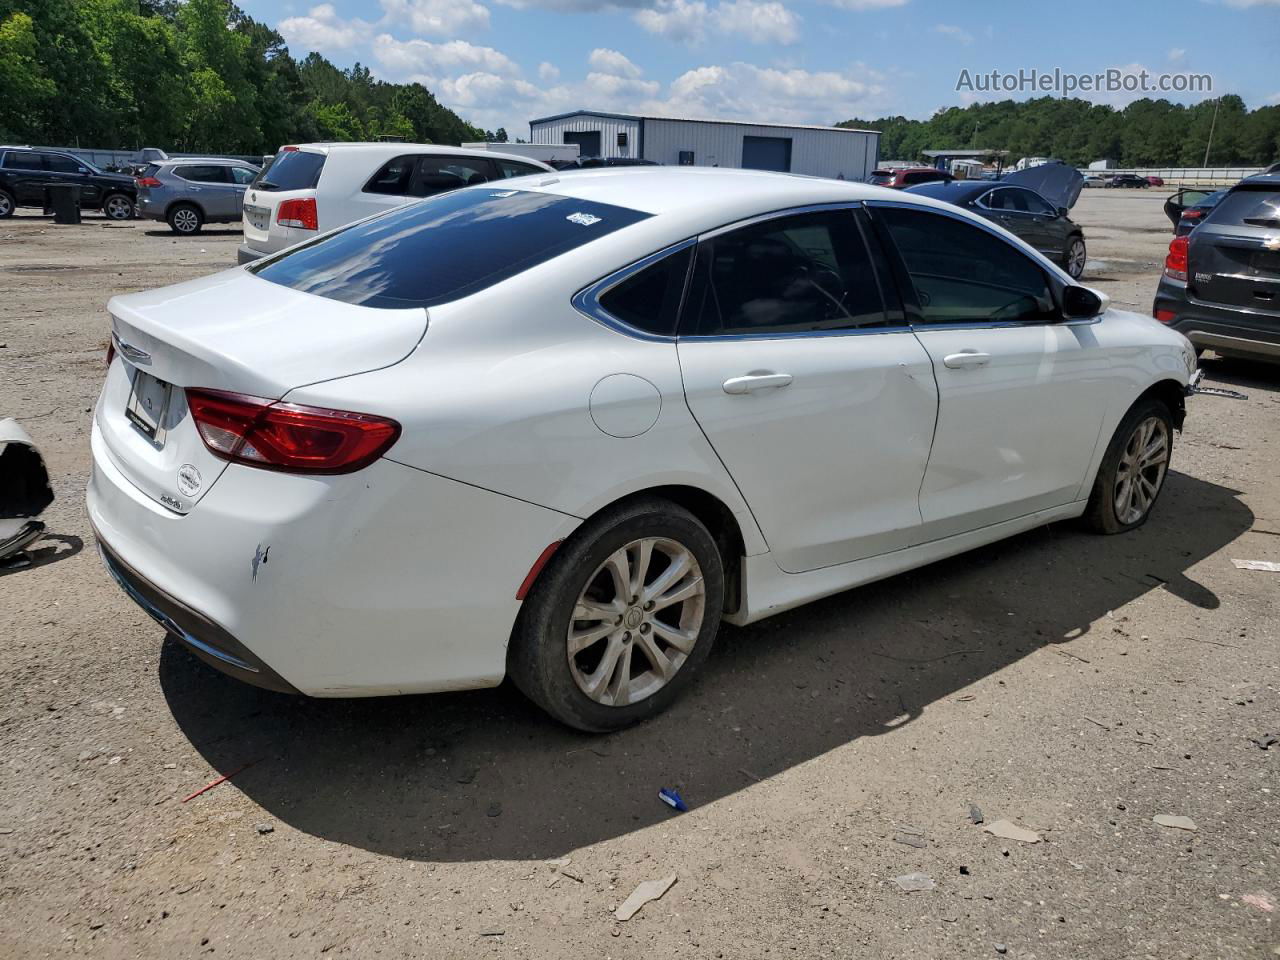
x,y
1178,823
646,892
913,882
1008,830
1266,566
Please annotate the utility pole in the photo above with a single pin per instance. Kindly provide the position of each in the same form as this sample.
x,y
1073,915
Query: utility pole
x,y
1212,123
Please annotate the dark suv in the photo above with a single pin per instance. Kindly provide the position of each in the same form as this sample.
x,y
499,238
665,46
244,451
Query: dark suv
x,y
1221,282
25,175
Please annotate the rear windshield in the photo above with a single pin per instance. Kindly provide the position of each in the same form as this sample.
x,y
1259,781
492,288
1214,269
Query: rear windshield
x,y
443,248
880,179
291,170
1249,206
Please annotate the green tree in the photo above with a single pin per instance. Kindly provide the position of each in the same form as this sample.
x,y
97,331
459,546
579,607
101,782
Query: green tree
x,y
27,86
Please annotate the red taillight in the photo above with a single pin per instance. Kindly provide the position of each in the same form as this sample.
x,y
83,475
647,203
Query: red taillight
x,y
1175,263
1192,214
1164,316
298,213
148,182
111,351
532,575
289,149
288,436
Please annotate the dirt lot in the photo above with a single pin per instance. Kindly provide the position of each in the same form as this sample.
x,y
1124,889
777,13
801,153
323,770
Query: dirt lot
x,y
1074,684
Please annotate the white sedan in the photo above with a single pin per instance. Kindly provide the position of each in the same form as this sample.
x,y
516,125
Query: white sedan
x,y
559,429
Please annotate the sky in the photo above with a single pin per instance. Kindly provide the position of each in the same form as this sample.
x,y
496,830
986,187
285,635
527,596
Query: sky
x,y
500,63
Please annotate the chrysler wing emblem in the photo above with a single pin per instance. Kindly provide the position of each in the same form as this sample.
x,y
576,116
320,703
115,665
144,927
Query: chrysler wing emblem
x,y
129,351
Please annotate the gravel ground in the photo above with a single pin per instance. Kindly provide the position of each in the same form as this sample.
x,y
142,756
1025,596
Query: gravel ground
x,y
1076,685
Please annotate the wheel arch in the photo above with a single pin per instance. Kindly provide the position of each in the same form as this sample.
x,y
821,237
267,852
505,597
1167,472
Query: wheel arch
x,y
185,202
1172,394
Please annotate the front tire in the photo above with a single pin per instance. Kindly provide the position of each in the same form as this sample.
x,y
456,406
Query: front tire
x,y
185,219
1074,257
1133,469
621,618
117,206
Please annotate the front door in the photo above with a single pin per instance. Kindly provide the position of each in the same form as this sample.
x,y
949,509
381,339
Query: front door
x,y
820,405
1021,394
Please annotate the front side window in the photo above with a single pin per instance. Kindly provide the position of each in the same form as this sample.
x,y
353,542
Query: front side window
x,y
441,174
60,164
393,177
513,168
963,274
802,273
649,299
448,247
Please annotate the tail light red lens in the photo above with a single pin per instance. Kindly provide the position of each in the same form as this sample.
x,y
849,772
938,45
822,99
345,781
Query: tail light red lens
x,y
1164,316
1192,214
1175,263
148,182
287,436
300,212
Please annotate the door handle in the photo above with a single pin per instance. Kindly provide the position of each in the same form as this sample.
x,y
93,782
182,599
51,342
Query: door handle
x,y
756,381
967,358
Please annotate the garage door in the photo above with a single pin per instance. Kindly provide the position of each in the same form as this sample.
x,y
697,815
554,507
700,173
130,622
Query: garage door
x,y
588,142
767,153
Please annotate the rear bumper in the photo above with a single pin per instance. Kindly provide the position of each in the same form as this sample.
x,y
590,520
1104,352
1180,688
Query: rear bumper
x,y
385,581
247,254
1226,330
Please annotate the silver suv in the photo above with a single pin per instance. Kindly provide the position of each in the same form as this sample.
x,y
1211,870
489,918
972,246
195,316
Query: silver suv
x,y
189,192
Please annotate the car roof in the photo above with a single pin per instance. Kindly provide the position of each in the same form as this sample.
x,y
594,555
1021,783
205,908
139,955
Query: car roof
x,y
955,190
392,149
1259,180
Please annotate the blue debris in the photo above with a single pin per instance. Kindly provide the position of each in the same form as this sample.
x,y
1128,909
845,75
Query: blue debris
x,y
672,799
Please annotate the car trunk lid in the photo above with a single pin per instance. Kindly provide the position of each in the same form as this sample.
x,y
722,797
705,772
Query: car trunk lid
x,y
1058,183
229,331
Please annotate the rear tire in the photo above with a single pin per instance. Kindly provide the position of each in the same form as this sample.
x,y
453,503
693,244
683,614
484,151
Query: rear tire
x,y
7,204
116,206
1133,469
597,659
185,219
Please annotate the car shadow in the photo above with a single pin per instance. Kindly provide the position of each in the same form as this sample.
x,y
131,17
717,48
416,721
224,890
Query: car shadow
x,y
50,548
484,775
206,232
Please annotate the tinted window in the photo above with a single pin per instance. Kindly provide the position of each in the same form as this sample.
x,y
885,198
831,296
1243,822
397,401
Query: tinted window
x,y
441,174
60,164
1035,203
650,300
880,179
793,274
202,173
512,168
448,247
243,175
963,274
150,170
1250,206
292,170
24,161
393,178
922,176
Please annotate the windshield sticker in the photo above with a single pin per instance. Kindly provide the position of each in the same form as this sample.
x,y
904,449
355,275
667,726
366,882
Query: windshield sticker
x,y
582,219
505,193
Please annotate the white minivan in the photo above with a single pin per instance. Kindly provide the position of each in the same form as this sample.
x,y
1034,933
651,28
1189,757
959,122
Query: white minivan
x,y
312,187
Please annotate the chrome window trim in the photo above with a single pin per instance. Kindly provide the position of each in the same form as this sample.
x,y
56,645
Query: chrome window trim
x,y
587,300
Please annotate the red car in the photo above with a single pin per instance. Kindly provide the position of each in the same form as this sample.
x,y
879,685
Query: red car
x,y
1155,181
907,177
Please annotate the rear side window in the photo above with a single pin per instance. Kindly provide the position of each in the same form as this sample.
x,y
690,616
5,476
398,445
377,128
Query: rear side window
x,y
803,273
24,161
1250,207
448,247
649,300
393,177
963,274
242,175
292,170
441,174
202,173
151,169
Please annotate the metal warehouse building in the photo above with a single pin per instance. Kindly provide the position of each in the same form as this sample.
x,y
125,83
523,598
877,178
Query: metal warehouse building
x,y
816,151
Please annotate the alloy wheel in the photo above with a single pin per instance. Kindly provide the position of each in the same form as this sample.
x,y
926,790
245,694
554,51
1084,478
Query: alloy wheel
x,y
1142,469
186,220
1076,258
6,205
118,208
636,621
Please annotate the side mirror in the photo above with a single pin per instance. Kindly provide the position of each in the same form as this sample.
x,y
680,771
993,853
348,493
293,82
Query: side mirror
x,y
1081,303
81,170
1062,212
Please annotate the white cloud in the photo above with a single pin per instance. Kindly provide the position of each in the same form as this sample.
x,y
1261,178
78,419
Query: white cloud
x,y
1177,54
323,29
744,91
437,17
548,72
867,4
690,21
612,62
406,57
955,33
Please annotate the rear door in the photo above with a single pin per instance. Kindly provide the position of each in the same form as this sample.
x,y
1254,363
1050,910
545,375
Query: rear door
x,y
1021,394
1234,256
817,398
208,185
1012,208
30,176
